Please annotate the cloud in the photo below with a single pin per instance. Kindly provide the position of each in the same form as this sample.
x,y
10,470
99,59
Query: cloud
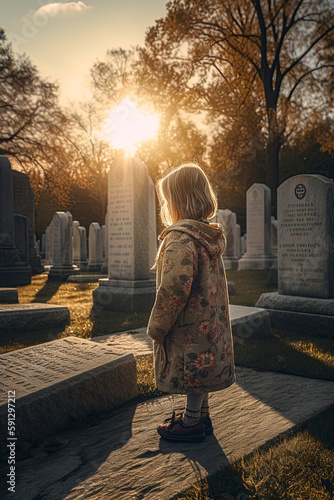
x,y
53,9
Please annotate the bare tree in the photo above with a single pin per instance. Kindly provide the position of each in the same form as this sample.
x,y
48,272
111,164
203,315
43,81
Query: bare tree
x,y
275,48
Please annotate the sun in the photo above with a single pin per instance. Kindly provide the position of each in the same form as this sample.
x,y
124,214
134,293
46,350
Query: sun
x,y
126,127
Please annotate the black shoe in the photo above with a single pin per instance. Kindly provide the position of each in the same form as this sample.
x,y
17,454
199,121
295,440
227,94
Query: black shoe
x,y
176,430
208,429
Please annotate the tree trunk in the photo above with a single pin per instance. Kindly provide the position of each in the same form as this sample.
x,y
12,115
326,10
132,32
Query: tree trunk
x,y
272,159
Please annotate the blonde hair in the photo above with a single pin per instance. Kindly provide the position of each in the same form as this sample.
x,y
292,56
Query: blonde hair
x,y
186,193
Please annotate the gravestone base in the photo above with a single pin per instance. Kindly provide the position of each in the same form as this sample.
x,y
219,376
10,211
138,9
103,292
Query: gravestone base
x,y
61,273
255,262
15,275
9,296
86,278
124,295
301,314
231,263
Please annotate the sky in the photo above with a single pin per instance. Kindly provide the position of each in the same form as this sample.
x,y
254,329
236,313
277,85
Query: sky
x,y
64,39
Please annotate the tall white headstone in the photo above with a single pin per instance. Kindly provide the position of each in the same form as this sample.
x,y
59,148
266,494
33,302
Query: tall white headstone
x,y
129,286
228,220
258,222
104,231
79,246
62,247
95,247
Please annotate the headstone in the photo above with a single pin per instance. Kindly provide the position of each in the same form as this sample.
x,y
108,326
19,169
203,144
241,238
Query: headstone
x,y
129,286
12,270
79,246
228,220
258,222
95,247
104,231
243,244
62,266
237,241
24,204
152,224
42,254
274,225
48,261
305,298
306,236
22,237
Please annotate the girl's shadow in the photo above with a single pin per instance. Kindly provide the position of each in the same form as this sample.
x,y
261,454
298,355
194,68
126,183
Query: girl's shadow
x,y
206,454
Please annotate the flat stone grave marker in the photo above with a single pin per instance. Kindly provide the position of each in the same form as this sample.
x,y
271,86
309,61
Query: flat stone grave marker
x,y
33,316
64,378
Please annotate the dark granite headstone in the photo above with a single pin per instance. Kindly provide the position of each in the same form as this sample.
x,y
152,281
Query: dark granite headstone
x,y
24,204
12,270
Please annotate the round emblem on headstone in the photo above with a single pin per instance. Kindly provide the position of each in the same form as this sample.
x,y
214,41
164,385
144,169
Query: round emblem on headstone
x,y
119,174
300,191
254,194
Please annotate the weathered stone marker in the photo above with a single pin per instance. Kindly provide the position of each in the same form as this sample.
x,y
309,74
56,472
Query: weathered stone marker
x,y
12,270
228,220
306,236
24,205
130,286
258,220
62,262
305,298
59,380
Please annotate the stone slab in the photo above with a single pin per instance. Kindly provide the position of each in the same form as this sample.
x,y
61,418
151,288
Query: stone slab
x,y
124,298
247,323
61,380
302,314
122,457
296,303
33,316
8,296
86,278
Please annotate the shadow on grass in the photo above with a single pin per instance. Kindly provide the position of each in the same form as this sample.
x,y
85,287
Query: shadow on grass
x,y
46,293
276,354
109,322
18,340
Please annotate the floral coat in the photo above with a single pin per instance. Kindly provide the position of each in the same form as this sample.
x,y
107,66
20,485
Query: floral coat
x,y
190,321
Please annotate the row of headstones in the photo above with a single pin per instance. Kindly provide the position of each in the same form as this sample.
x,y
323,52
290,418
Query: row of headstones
x,y
261,228
236,246
64,246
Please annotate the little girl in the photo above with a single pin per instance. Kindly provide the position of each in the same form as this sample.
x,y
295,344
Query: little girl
x,y
190,322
